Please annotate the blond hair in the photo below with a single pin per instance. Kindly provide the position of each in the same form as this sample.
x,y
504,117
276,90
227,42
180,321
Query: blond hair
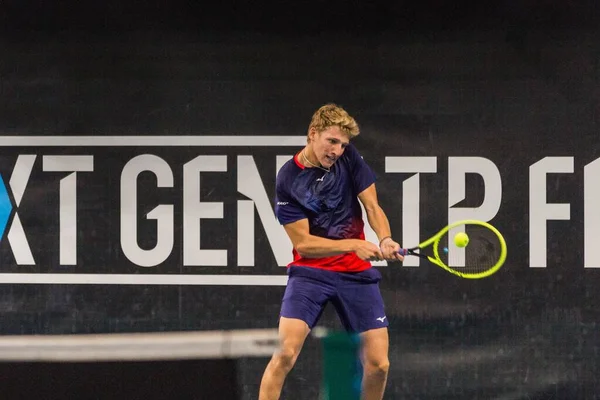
x,y
334,115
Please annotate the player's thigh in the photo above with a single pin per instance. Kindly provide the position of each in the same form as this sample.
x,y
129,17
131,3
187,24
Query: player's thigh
x,y
307,292
359,303
375,347
292,334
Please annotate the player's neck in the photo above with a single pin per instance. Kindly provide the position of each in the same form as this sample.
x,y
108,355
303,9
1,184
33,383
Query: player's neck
x,y
306,158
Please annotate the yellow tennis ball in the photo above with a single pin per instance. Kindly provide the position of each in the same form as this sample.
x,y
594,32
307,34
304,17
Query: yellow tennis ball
x,y
461,239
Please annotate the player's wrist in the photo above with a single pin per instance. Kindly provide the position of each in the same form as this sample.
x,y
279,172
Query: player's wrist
x,y
385,239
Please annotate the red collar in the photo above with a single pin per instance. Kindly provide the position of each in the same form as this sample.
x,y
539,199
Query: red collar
x,y
297,161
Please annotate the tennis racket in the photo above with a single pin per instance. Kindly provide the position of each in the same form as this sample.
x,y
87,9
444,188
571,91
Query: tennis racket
x,y
483,255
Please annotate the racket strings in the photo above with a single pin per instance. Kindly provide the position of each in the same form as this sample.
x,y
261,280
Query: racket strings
x,y
481,253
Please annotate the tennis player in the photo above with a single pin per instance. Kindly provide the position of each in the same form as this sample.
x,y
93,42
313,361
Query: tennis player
x,y
317,202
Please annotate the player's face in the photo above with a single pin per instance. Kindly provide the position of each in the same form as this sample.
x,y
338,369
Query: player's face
x,y
329,145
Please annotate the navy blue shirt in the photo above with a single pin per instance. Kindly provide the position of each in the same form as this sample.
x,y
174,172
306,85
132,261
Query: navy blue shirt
x,y
329,201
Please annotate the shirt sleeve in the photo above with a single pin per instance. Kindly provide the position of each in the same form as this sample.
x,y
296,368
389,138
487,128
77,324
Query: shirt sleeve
x,y
287,210
362,174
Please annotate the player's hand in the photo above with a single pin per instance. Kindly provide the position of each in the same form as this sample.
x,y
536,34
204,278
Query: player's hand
x,y
389,249
368,251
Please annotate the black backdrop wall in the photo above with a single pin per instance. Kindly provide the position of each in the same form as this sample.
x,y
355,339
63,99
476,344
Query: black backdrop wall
x,y
160,218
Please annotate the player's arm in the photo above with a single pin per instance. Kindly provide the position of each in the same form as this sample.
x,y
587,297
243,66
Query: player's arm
x,y
379,222
311,246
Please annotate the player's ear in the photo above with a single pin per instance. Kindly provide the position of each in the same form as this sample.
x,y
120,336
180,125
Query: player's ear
x,y
312,133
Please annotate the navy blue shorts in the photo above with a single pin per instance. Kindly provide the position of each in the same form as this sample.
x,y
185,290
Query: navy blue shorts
x,y
355,296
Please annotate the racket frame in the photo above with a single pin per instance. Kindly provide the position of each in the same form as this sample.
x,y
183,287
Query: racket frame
x,y
435,240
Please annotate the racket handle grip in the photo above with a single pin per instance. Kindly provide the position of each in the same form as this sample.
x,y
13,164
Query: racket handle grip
x,y
403,252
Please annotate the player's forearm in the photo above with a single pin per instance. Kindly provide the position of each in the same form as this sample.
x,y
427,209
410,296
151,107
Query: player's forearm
x,y
316,246
379,222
